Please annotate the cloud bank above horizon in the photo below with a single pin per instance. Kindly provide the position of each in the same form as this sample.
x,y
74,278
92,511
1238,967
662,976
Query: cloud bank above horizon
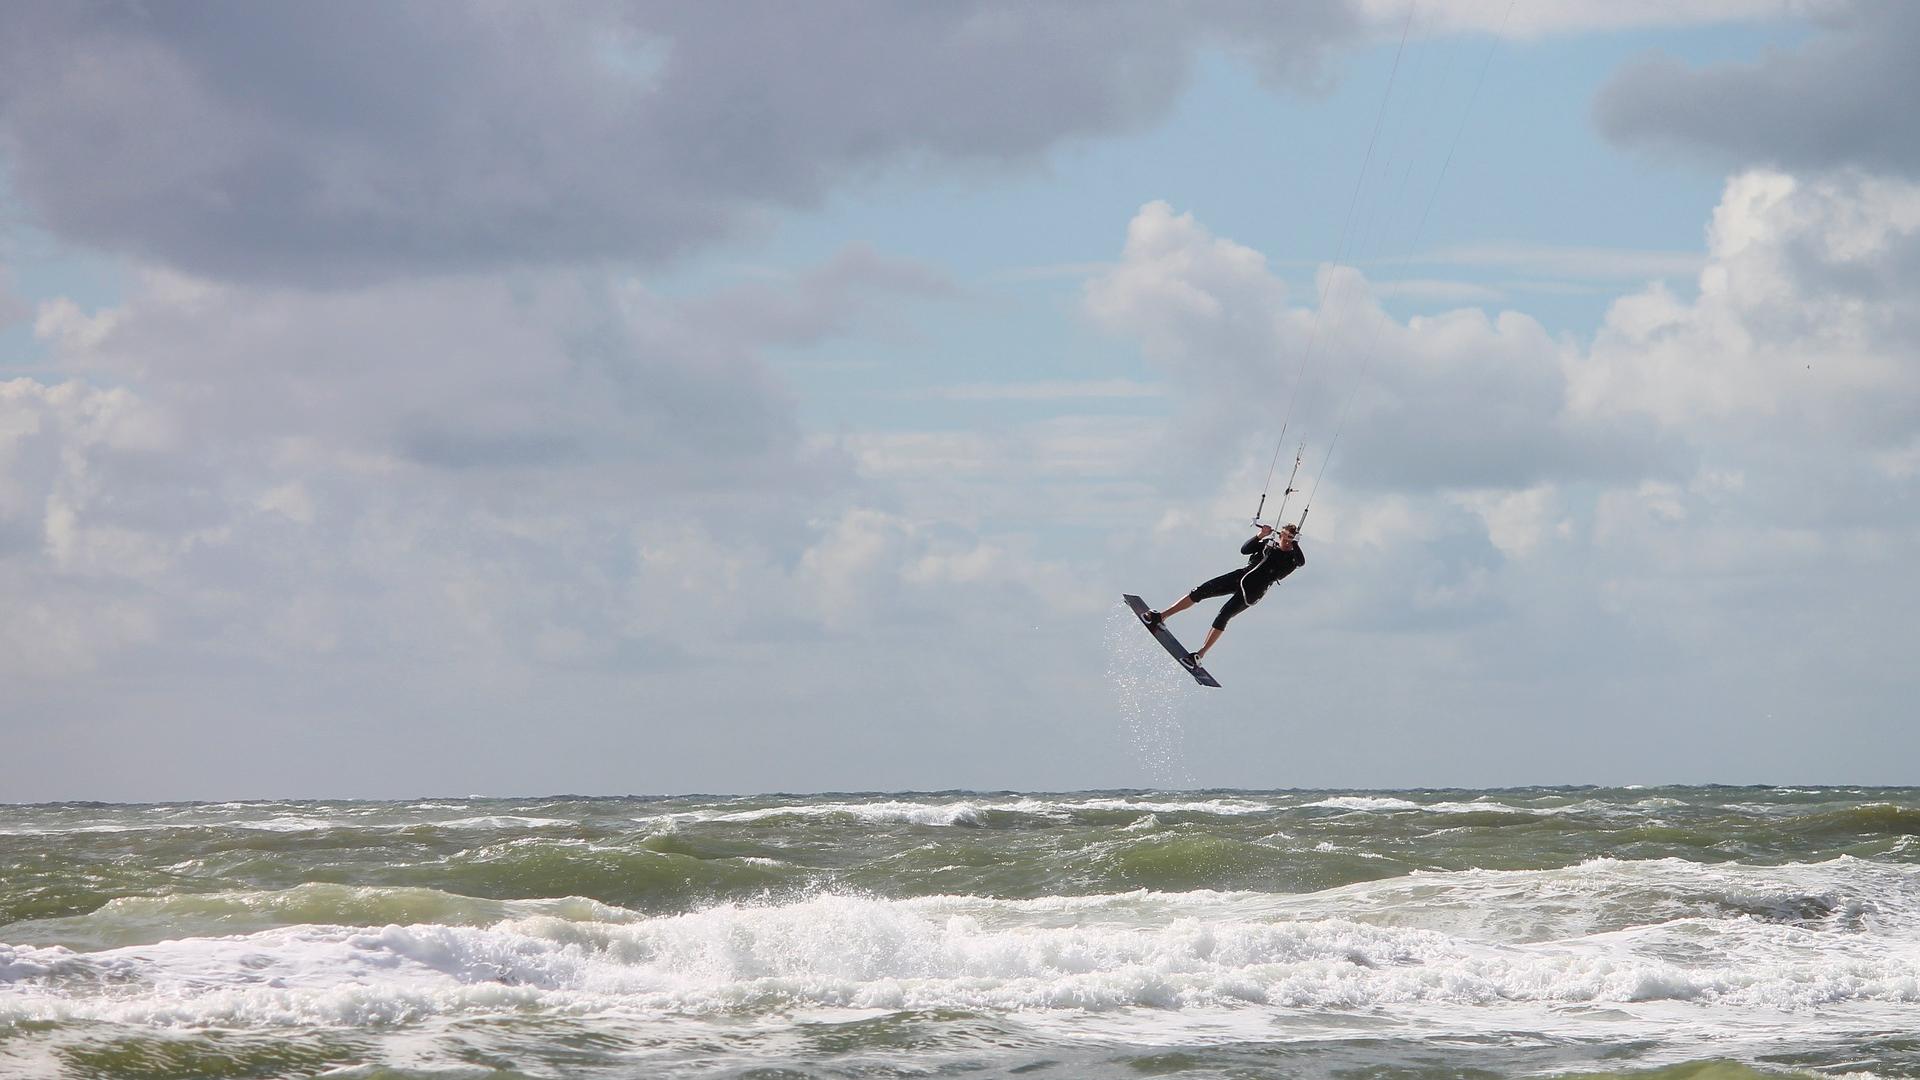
x,y
441,438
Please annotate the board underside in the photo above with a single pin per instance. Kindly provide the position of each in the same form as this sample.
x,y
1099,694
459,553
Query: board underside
x,y
1167,641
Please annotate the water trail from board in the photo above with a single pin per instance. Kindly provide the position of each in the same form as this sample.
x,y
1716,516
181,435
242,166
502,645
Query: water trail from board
x,y
1148,689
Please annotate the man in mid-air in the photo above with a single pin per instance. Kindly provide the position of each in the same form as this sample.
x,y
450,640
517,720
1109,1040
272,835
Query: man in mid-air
x,y
1271,555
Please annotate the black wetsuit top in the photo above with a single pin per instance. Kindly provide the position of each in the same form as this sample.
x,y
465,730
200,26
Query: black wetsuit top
x,y
1266,564
1243,588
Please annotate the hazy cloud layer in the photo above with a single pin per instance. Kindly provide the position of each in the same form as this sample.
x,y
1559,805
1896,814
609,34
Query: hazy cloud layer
x,y
1843,99
1539,18
544,422
474,503
12,308
517,521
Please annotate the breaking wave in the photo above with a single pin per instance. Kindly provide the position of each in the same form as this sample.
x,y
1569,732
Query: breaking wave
x,y
1789,940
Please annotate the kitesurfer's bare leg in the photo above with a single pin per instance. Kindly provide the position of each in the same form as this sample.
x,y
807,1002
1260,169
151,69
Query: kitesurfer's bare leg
x,y
1179,605
1213,635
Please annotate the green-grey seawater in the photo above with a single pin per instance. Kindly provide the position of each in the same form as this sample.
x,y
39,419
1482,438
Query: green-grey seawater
x,y
1701,932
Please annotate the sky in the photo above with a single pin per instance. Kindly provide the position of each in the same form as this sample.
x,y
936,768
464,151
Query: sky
x,y
422,399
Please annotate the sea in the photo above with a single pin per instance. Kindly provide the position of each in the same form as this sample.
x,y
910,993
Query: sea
x,y
1706,933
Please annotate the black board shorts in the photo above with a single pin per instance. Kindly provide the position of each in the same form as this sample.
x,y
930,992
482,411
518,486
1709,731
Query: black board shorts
x,y
1227,584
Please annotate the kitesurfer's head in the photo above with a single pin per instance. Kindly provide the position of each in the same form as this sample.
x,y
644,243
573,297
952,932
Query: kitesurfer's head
x,y
1287,533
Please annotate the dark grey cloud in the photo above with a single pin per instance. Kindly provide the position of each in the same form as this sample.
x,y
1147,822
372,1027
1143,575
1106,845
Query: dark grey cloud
x,y
350,140
1843,99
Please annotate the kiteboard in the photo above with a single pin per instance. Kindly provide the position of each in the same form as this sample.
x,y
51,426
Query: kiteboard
x,y
1168,641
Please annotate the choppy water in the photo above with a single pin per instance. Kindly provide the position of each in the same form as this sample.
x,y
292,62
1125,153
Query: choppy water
x,y
1110,934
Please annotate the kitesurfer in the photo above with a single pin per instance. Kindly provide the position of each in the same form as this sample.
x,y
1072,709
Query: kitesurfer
x,y
1271,555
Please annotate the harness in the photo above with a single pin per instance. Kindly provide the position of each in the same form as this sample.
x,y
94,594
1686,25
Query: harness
x,y
1267,548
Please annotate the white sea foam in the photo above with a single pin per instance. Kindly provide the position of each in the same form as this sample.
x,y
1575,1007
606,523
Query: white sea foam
x,y
1604,896
962,812
1479,807
1810,945
1391,805
57,830
1587,808
494,821
1366,802
286,823
281,823
1223,807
